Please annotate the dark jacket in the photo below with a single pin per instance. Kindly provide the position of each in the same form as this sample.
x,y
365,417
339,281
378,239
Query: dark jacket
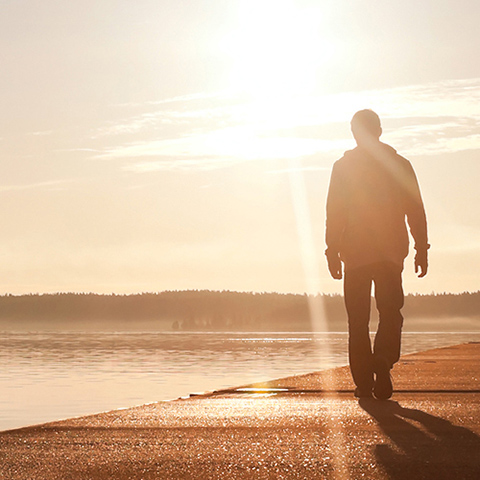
x,y
371,193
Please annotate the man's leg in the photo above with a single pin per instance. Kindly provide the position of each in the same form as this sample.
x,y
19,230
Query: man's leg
x,y
357,290
389,297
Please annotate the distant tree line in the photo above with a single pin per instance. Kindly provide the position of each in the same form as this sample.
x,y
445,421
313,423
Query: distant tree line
x,y
213,310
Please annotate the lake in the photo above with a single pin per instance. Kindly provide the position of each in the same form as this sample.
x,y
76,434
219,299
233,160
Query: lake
x,y
50,376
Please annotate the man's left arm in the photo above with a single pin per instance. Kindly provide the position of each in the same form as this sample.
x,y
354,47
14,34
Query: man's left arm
x,y
417,222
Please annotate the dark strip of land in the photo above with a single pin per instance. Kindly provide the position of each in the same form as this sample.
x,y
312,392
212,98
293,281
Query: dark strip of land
x,y
302,427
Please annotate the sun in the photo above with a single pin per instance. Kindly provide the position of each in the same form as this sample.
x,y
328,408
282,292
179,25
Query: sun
x,y
277,48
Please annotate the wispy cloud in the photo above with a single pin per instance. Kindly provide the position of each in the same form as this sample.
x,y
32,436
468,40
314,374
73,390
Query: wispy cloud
x,y
179,164
218,149
432,119
38,185
205,131
434,138
42,133
190,113
81,150
304,168
225,95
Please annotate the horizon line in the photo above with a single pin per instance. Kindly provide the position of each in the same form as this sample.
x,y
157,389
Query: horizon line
x,y
205,290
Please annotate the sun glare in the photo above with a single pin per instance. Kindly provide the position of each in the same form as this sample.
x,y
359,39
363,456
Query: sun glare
x,y
277,48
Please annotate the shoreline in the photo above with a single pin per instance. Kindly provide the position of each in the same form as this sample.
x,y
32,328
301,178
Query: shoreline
x,y
42,391
430,429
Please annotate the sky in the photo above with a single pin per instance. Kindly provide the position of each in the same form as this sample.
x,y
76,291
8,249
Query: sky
x,y
167,145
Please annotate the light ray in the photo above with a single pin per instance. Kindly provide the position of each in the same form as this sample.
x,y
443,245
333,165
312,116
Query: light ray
x,y
310,261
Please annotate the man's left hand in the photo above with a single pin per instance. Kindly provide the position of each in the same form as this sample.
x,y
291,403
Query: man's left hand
x,y
421,263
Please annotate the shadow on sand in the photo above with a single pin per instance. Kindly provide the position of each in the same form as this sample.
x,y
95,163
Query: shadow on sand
x,y
423,446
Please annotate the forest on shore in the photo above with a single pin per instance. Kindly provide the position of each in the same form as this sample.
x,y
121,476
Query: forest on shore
x,y
205,310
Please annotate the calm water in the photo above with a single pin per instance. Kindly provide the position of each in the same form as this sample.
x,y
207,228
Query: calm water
x,y
49,376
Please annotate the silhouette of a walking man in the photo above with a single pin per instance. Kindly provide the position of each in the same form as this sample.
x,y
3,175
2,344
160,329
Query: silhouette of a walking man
x,y
372,191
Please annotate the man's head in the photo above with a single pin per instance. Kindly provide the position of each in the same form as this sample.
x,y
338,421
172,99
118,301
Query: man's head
x,y
366,126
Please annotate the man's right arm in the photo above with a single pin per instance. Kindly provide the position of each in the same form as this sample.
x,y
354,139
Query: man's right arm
x,y
335,223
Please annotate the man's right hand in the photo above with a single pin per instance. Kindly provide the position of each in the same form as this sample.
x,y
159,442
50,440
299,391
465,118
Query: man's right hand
x,y
334,266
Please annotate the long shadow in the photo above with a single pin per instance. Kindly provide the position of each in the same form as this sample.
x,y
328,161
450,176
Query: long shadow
x,y
423,446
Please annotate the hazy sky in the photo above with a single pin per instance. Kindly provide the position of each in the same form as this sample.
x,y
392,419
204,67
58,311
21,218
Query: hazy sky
x,y
151,145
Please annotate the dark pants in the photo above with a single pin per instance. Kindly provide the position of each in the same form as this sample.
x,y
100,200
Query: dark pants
x,y
387,278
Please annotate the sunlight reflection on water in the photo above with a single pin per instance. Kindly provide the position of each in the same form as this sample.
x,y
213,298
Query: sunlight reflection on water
x,y
48,376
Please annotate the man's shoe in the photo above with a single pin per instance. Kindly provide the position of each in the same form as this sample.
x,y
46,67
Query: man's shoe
x,y
383,388
363,392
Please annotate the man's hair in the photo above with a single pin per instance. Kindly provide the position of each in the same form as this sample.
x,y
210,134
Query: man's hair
x,y
366,122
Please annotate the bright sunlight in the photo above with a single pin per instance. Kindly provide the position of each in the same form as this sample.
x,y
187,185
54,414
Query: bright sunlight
x,y
277,48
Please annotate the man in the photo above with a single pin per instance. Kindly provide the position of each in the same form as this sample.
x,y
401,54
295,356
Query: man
x,y
372,191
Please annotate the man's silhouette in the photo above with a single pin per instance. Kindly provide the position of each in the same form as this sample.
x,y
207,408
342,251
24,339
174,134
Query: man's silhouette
x,y
372,190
